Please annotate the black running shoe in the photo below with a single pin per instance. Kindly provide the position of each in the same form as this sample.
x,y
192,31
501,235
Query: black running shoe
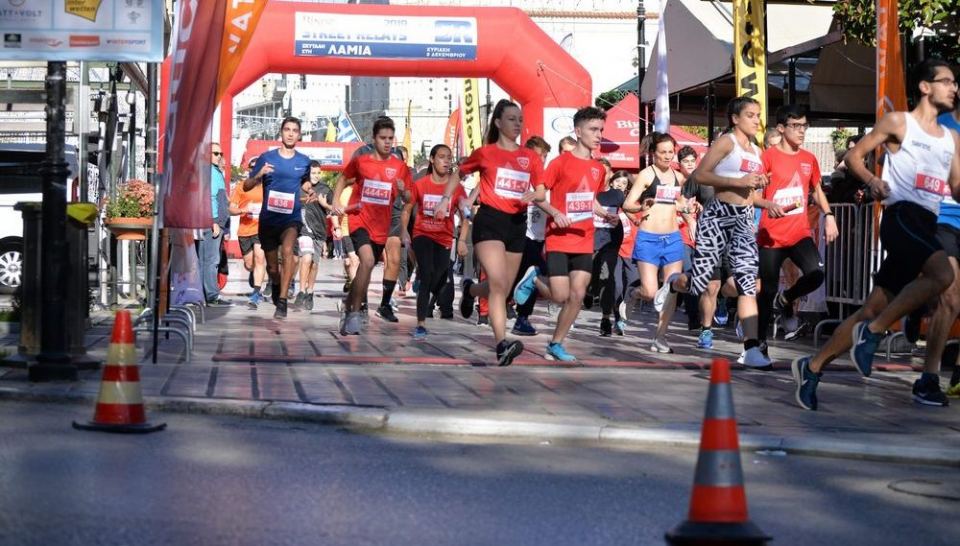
x,y
483,320
926,391
466,300
275,293
281,311
386,313
297,304
507,351
511,312
308,302
606,327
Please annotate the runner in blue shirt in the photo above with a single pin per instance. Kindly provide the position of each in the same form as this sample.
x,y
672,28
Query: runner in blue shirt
x,y
280,171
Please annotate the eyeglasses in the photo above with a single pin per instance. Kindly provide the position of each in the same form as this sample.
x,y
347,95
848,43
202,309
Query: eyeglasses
x,y
797,126
217,153
946,81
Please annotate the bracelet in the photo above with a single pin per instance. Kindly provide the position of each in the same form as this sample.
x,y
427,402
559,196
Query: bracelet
x,y
829,214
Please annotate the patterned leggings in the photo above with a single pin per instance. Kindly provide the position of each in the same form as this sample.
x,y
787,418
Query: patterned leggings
x,y
725,228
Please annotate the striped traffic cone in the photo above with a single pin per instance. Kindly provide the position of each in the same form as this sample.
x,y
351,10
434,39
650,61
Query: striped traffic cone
x,y
718,504
120,402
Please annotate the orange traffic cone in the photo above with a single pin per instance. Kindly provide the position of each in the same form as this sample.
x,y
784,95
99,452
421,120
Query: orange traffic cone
x,y
120,402
718,504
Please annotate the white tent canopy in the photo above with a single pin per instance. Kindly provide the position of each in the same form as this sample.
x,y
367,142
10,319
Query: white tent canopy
x,y
700,39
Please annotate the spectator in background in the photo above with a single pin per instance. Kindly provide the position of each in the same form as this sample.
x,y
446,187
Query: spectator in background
x,y
845,187
211,239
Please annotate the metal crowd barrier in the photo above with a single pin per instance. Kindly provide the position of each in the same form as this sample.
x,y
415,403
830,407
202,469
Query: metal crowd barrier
x,y
849,263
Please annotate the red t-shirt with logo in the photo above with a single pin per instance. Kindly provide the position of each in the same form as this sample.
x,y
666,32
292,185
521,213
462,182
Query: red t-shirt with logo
x,y
629,237
375,189
573,185
792,177
425,195
504,176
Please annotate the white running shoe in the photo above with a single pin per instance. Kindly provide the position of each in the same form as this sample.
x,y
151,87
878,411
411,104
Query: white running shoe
x,y
753,358
660,298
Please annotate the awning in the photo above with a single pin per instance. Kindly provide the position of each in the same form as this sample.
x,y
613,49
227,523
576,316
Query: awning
x,y
700,39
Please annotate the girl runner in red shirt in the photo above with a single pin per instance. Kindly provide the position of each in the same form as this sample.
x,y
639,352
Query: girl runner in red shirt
x,y
508,176
432,237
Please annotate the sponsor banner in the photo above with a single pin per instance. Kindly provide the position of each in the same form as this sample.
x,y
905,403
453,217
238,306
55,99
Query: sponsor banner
x,y
82,30
328,157
240,21
190,105
385,37
472,134
750,53
452,131
557,123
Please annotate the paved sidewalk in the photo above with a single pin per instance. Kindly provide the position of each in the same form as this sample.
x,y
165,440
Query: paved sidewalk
x,y
247,363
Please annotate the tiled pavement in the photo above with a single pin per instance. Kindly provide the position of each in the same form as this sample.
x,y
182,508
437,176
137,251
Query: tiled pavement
x,y
247,355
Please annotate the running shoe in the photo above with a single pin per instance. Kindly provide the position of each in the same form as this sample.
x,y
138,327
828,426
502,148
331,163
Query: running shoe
x,y
926,391
522,327
419,333
705,341
483,320
954,391
720,316
781,306
507,351
754,359
801,329
511,312
660,346
254,300
275,293
219,302
588,301
527,285
765,349
622,311
606,327
555,351
281,310
620,327
660,298
394,305
386,313
267,290
353,324
864,346
466,300
297,302
807,381
308,302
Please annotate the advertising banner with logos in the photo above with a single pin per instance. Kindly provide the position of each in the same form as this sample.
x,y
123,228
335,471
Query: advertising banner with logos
x,y
385,37
78,30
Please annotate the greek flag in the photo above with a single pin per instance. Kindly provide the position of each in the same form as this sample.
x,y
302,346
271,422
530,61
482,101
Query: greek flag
x,y
346,132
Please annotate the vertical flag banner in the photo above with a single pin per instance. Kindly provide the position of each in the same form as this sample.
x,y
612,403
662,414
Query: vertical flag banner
x,y
891,86
662,119
750,54
191,102
331,132
408,134
239,23
346,132
470,109
453,127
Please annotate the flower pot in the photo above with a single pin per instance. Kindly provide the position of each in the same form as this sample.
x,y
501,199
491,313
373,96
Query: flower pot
x,y
129,229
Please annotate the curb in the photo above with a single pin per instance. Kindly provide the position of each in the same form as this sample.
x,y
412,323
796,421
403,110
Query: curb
x,y
513,425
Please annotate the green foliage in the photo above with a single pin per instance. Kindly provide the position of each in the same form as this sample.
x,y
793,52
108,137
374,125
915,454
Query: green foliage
x,y
607,99
134,200
859,20
839,137
698,130
237,173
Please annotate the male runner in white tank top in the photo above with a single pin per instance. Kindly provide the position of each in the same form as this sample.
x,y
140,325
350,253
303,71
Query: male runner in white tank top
x,y
922,165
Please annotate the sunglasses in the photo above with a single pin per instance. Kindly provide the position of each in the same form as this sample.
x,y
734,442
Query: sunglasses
x,y
217,153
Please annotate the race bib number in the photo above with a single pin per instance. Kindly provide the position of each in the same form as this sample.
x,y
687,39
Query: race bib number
x,y
280,202
511,184
600,222
667,194
932,184
429,204
751,166
376,193
579,206
790,200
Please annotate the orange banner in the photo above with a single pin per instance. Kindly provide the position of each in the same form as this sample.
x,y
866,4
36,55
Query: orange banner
x,y
238,26
891,85
453,127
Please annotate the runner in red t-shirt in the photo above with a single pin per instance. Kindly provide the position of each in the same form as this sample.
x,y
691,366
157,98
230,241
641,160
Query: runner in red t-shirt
x,y
509,180
573,178
379,177
432,237
784,228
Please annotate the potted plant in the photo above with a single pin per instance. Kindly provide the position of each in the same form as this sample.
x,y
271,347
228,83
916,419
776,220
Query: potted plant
x,y
130,214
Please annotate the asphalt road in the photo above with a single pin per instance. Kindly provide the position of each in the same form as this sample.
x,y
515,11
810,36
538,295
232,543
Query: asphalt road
x,y
213,480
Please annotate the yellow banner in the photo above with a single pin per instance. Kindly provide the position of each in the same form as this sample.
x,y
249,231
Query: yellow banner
x,y
408,134
750,55
81,8
472,135
240,22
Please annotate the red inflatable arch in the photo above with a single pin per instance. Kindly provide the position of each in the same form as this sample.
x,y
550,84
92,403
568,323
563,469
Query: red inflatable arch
x,y
503,44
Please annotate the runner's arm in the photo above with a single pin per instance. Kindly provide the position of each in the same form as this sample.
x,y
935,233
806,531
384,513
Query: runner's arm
x,y
891,127
405,218
631,203
342,183
954,179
